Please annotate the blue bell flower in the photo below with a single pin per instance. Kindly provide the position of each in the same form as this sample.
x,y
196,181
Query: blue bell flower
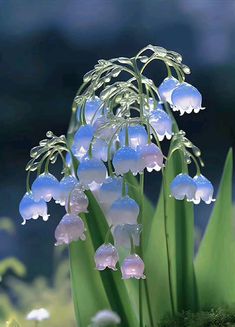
x,y
66,185
30,209
92,109
186,98
122,235
100,149
45,187
167,87
204,190
106,256
91,170
77,201
110,190
183,186
82,141
104,128
133,267
161,122
123,211
137,136
125,160
71,228
151,157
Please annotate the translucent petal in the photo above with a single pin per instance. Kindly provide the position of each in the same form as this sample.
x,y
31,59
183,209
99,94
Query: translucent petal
x,y
137,136
106,256
92,109
103,128
123,211
30,209
183,186
133,267
166,88
45,187
161,123
100,149
71,228
123,234
110,190
67,183
125,160
151,157
204,190
77,201
105,318
91,170
82,141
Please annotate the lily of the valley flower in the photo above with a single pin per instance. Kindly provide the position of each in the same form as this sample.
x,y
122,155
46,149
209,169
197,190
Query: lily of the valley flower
x,y
105,318
167,87
137,136
161,122
82,141
106,256
30,209
123,233
92,110
67,183
77,201
38,315
125,160
183,186
45,187
91,170
204,190
123,211
133,267
151,157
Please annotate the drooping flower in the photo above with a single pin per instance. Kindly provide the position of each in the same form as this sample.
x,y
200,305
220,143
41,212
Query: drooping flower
x,y
123,233
91,170
161,122
100,149
77,201
123,211
133,267
92,110
38,315
104,128
125,160
71,228
186,98
204,190
110,190
82,141
30,209
151,157
137,136
106,256
183,186
45,187
167,87
105,318
67,183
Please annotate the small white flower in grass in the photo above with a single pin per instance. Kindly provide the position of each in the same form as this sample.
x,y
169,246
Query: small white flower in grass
x,y
137,136
204,190
91,170
92,110
106,256
105,318
38,315
123,233
30,209
167,87
66,185
183,186
123,211
133,267
45,187
161,122
77,201
125,160
186,98
71,228
151,157
82,141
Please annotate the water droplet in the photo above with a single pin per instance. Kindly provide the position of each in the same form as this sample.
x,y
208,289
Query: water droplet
x,y
49,134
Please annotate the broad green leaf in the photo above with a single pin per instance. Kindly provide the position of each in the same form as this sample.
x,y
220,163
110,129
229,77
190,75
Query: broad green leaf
x,y
215,262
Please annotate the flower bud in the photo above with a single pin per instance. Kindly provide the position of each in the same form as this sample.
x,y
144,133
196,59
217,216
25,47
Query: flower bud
x,y
133,267
45,187
106,256
183,186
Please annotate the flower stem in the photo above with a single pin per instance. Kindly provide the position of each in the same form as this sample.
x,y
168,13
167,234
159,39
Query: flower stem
x,y
140,248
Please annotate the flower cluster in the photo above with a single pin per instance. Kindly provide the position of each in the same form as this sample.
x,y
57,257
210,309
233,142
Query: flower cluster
x,y
117,129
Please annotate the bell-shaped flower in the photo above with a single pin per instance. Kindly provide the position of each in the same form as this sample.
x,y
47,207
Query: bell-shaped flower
x,y
100,149
106,256
183,186
137,136
110,190
167,87
67,183
161,122
151,157
125,160
38,315
91,170
45,187
105,318
77,201
133,267
204,190
82,141
124,233
30,209
104,128
92,110
186,98
123,211
71,228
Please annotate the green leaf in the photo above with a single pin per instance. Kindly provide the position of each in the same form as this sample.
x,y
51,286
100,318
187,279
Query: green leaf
x,y
12,323
14,265
215,261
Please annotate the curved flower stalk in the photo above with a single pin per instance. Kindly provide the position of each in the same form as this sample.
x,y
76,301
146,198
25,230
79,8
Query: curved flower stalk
x,y
117,127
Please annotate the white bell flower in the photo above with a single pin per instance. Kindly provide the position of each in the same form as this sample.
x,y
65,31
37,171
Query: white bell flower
x,y
82,141
166,88
123,211
161,122
183,186
30,209
133,267
151,157
106,256
137,136
45,187
204,190
91,170
125,160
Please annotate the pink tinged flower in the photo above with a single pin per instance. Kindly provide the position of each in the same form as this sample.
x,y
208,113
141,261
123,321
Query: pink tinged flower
x,y
161,122
30,209
137,136
133,267
71,228
82,141
167,87
45,187
106,256
91,170
183,186
186,98
123,211
204,190
77,201
123,233
151,157
125,160
67,183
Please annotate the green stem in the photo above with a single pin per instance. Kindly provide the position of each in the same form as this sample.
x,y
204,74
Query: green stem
x,y
140,247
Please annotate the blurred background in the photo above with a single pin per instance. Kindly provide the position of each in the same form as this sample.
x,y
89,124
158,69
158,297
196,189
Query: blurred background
x,y
46,48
